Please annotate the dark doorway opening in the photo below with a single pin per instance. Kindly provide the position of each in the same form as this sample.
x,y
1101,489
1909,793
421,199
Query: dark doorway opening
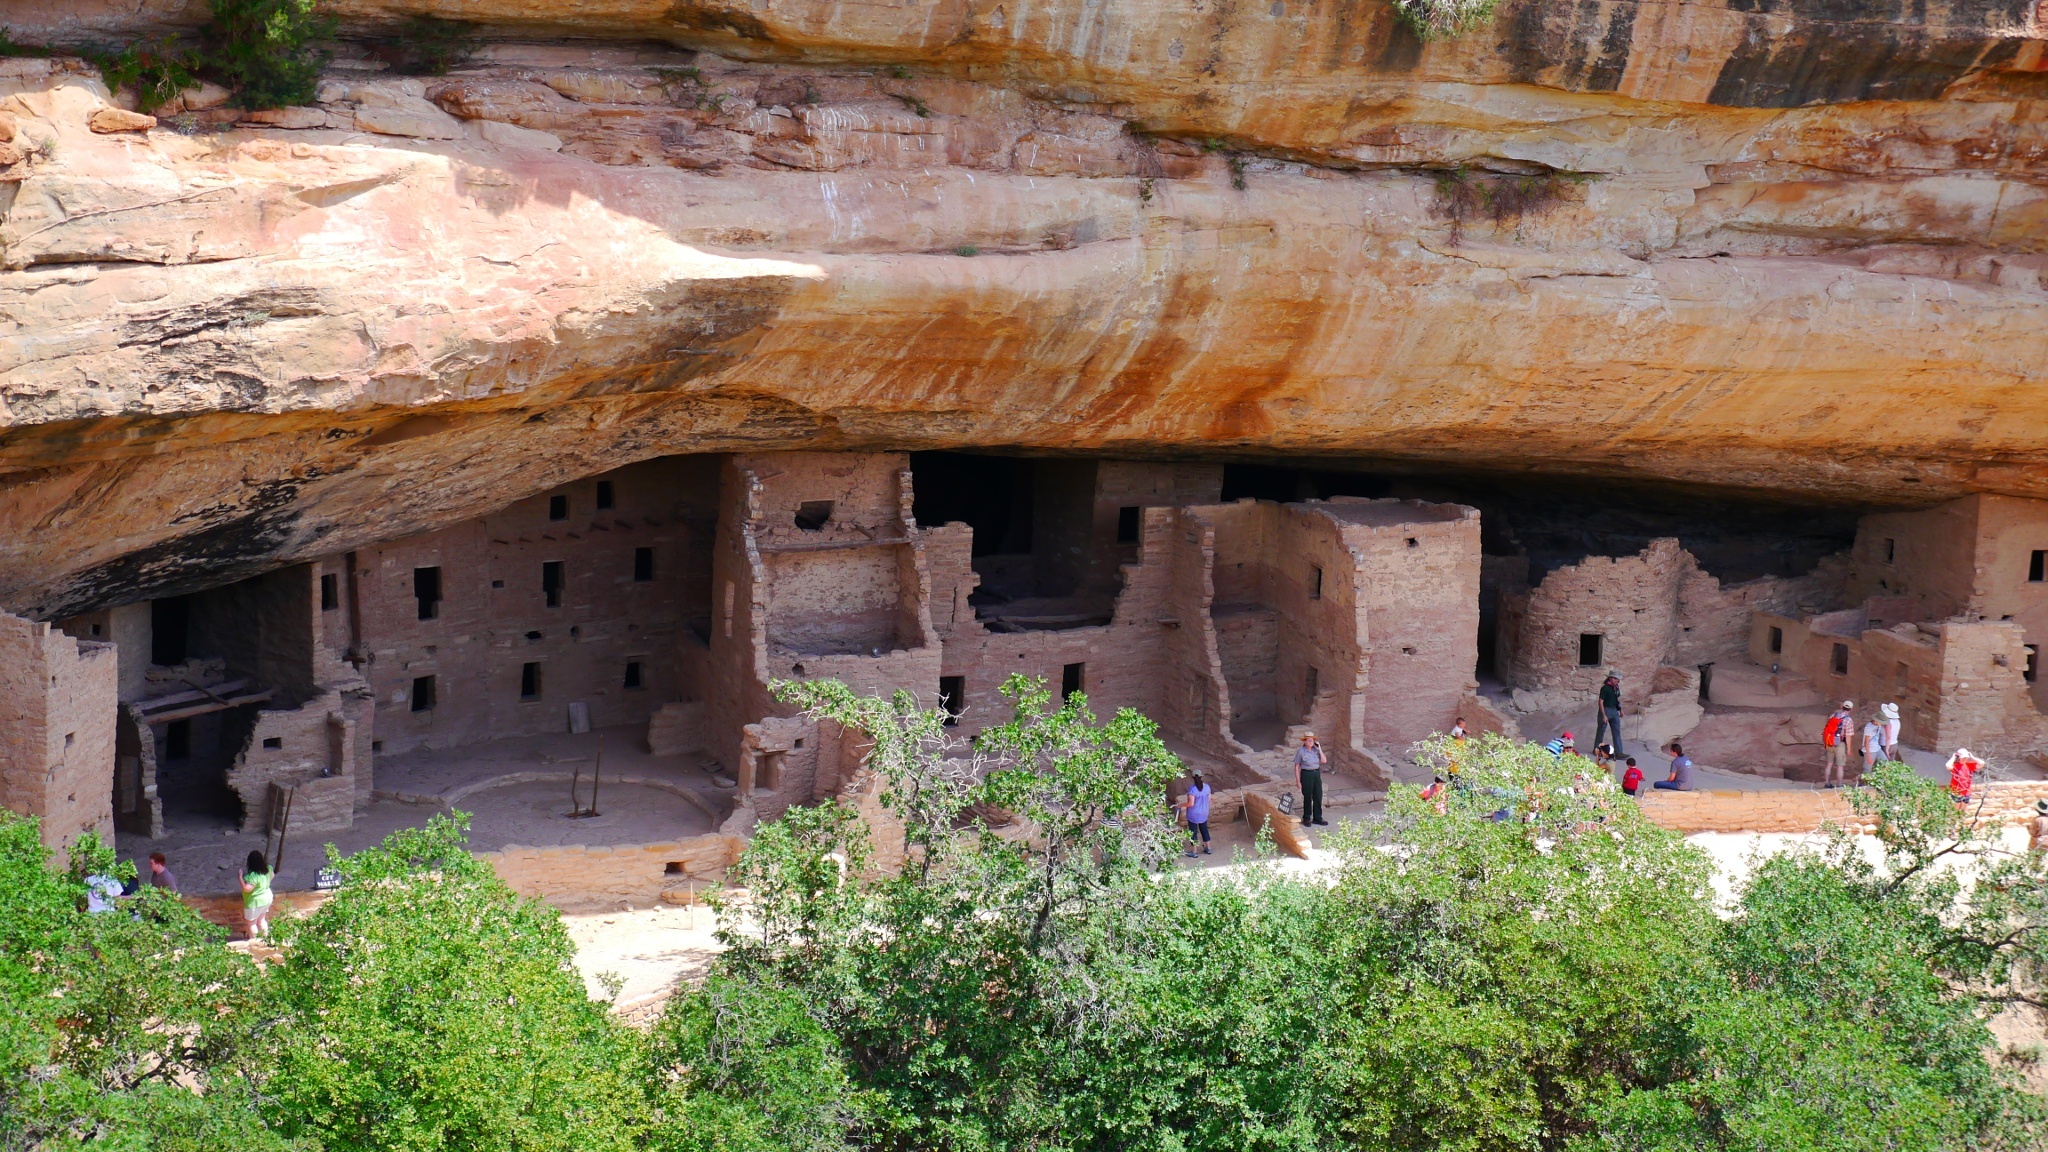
x,y
170,629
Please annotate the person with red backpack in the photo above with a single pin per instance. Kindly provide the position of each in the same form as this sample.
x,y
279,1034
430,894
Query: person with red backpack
x,y
1834,737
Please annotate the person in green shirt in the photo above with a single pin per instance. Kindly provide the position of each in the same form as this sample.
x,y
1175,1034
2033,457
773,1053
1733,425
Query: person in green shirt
x,y
256,896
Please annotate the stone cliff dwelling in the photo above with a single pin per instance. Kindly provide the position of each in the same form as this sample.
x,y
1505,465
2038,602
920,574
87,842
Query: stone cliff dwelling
x,y
453,440
657,602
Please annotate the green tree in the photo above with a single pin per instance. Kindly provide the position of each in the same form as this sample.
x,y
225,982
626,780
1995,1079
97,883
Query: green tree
x,y
427,1006
267,51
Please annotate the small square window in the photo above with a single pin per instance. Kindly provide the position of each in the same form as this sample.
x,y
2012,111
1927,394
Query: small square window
x,y
423,693
1072,679
1127,522
558,507
812,515
273,741
1841,660
1591,645
643,565
1777,640
330,592
953,697
1414,543
604,494
529,680
636,675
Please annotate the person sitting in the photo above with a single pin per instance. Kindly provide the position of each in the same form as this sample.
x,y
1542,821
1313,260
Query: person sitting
x,y
1680,779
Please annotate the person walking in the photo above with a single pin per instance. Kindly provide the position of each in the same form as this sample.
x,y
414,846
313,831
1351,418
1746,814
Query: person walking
x,y
256,895
1308,776
1195,809
1873,743
160,874
1608,720
1834,740
1890,724
1680,779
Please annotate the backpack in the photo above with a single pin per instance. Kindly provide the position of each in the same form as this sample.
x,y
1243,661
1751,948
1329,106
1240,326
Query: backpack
x,y
1832,733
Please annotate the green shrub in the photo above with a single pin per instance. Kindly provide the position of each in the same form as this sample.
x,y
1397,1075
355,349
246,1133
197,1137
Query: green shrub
x,y
1441,19
267,51
157,73
428,46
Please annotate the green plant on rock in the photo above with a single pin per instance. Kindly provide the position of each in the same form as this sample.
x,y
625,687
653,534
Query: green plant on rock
x,y
267,51
428,46
1441,19
1462,195
156,73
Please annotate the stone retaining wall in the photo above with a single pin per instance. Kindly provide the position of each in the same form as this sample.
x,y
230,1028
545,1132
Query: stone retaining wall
x,y
1800,810
579,878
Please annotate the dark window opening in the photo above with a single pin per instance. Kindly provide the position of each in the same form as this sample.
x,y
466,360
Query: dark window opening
x,y
551,582
2033,663
643,565
1315,583
426,588
170,621
273,741
2037,566
497,583
953,697
604,494
991,494
1127,520
635,677
178,740
423,693
1314,682
529,681
533,636
330,592
1891,551
1414,543
812,515
558,507
1071,678
1777,640
1841,660
1590,644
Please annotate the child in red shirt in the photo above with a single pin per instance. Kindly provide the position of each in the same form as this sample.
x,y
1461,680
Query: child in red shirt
x,y
1632,778
1962,770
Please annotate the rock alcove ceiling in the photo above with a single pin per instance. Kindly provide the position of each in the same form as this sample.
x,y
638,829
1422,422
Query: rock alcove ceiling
x,y
1790,249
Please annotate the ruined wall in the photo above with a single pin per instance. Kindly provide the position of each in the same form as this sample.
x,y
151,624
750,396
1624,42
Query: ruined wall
x,y
326,738
1929,555
493,617
1419,590
1121,484
1715,620
2009,532
1985,705
57,702
1630,602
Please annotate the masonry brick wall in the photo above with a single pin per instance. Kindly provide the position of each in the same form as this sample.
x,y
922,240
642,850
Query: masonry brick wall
x,y
493,617
1418,571
1631,603
57,711
319,739
576,879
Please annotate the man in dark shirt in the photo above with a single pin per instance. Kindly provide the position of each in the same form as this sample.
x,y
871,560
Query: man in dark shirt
x,y
1308,776
1609,719
160,874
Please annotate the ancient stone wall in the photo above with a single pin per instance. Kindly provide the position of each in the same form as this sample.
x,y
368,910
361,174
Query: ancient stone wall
x,y
57,701
1715,620
578,878
1418,566
1630,603
2010,533
1929,555
326,738
493,616
1983,698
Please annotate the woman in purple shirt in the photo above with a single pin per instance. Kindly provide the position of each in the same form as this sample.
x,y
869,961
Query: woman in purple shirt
x,y
1195,806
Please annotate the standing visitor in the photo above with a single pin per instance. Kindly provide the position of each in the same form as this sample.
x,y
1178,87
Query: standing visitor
x,y
1632,778
1873,743
1196,806
1962,774
2037,832
1680,779
160,874
1308,776
1834,739
256,895
1890,712
1608,722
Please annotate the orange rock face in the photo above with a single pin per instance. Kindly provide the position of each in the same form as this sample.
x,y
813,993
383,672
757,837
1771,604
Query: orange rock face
x,y
1788,251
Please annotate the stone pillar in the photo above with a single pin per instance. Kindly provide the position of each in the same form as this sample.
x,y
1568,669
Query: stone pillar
x,y
57,710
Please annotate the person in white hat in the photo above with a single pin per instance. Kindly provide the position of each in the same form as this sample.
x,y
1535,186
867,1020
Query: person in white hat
x,y
1873,743
1890,712
1834,737
2037,831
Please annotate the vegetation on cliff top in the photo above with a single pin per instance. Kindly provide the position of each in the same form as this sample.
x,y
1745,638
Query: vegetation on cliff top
x,y
266,52
1558,979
